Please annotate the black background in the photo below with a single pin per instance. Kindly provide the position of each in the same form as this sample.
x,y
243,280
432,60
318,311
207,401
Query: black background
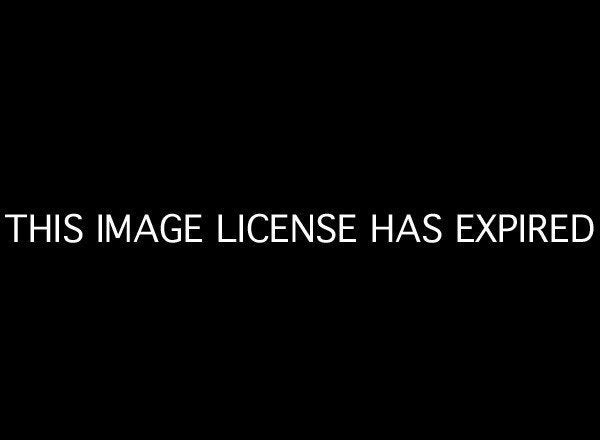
x,y
386,112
